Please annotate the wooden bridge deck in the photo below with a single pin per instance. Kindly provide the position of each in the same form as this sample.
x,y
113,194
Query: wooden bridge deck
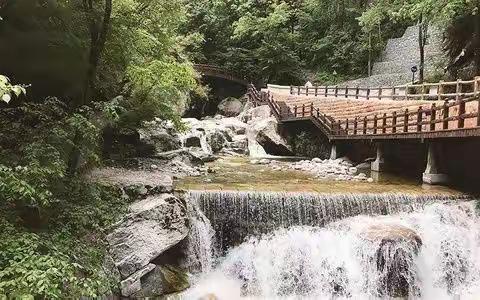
x,y
341,118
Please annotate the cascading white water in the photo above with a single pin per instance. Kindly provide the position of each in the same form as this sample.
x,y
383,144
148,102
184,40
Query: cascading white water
x,y
429,252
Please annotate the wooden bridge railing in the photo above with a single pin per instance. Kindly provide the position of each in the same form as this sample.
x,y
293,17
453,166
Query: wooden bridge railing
x,y
447,119
211,70
427,91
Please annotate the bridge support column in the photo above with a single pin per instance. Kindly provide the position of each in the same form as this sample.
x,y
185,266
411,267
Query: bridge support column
x,y
334,152
379,164
433,172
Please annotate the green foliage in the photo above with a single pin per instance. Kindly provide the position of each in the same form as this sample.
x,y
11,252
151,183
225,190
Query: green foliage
x,y
283,41
7,89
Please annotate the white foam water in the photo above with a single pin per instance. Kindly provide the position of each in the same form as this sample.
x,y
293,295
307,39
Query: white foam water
x,y
432,252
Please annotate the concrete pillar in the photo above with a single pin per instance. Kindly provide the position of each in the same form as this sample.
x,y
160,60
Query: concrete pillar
x,y
433,172
334,152
379,164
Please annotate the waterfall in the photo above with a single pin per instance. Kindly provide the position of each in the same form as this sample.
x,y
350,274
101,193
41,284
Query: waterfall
x,y
237,215
424,250
200,251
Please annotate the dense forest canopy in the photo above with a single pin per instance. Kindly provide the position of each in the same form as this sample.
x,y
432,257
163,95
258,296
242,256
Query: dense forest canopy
x,y
74,70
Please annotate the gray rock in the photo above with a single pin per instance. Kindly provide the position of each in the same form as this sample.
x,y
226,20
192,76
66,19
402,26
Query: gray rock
x,y
217,140
192,141
153,226
266,132
162,280
230,107
257,113
158,138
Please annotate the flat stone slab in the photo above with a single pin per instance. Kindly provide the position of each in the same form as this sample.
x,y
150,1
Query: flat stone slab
x,y
157,180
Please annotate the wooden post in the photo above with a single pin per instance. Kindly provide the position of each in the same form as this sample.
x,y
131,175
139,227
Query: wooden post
x,y
459,90
375,123
380,93
346,92
446,114
355,126
365,125
326,91
311,109
306,91
357,91
336,91
394,92
384,123
291,90
440,90
318,112
368,93
316,91
419,119
394,122
433,117
298,89
346,126
295,111
461,112
303,110
405,121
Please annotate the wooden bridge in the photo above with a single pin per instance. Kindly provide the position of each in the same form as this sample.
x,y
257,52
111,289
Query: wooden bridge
x,y
218,72
386,114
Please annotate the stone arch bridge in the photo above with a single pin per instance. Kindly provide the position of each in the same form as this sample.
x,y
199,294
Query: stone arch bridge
x,y
219,72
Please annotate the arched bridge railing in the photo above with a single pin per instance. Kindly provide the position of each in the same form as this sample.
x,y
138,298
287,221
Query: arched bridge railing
x,y
216,71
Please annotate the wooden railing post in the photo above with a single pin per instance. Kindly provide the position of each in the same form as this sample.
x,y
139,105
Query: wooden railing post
x,y
446,114
306,91
336,91
357,91
380,93
326,91
394,92
311,109
384,123
368,93
346,126
440,91
298,90
346,92
291,90
295,111
405,121
394,122
419,119
461,112
433,117
375,124
355,126
303,110
365,123
316,91
459,91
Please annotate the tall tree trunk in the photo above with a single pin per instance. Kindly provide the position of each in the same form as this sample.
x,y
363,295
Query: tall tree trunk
x,y
369,54
476,42
422,41
98,37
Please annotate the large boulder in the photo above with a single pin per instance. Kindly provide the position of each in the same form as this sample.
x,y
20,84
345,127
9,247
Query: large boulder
x,y
265,133
153,226
256,113
230,107
157,138
396,249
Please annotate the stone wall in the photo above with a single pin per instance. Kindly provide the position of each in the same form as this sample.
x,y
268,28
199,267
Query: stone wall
x,y
400,54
